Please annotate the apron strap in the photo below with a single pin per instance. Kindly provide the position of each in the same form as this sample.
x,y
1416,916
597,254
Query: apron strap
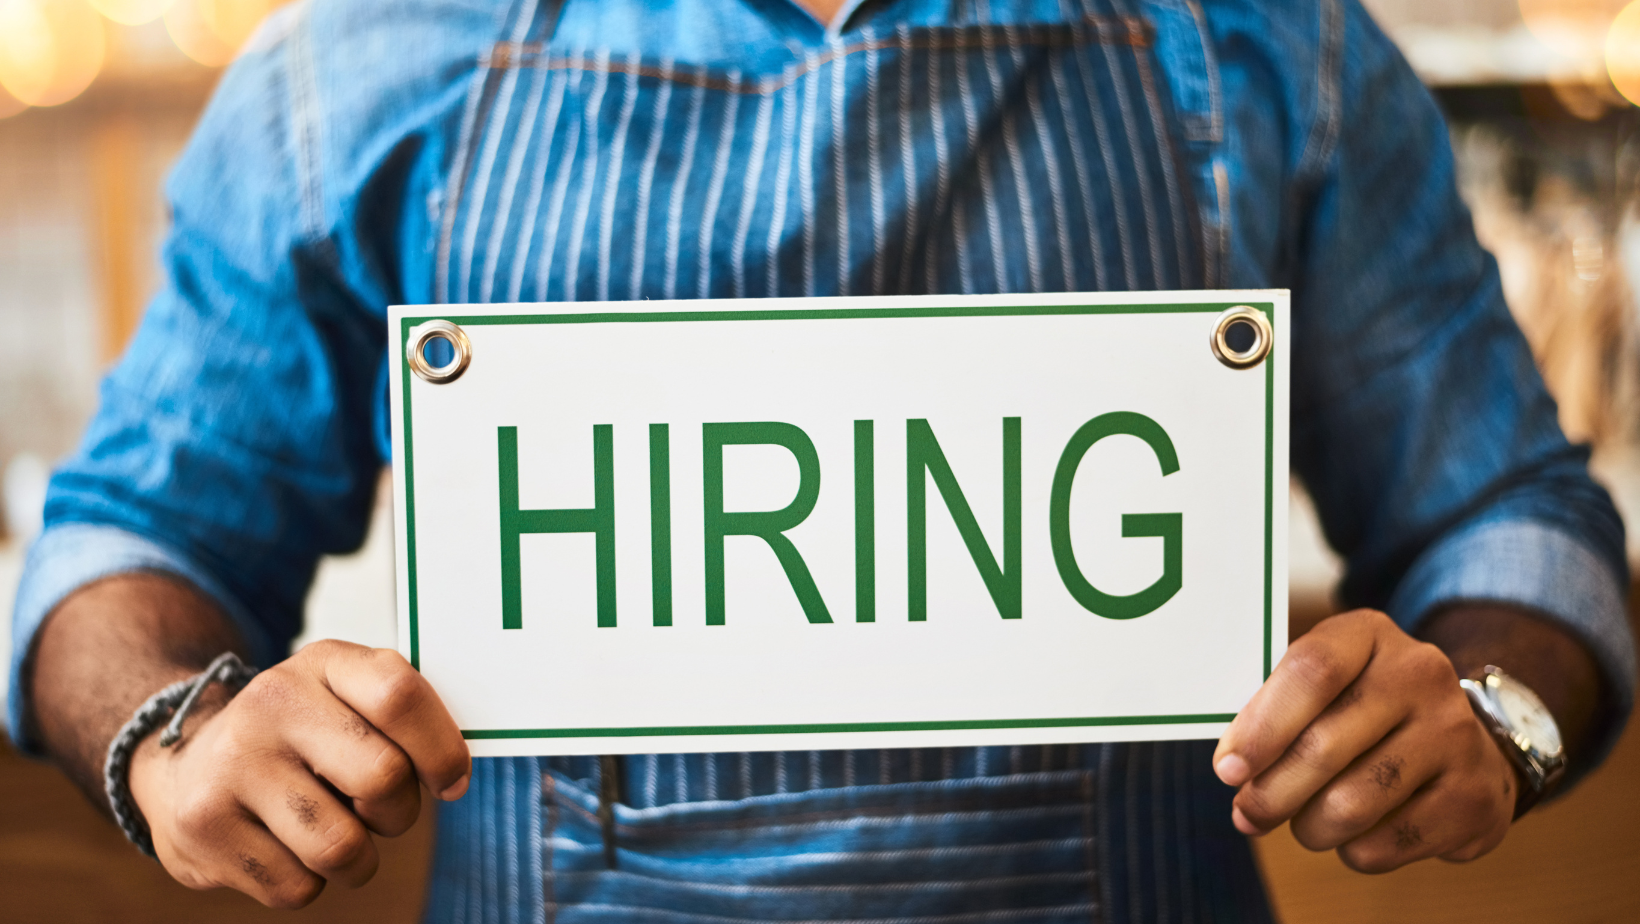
x,y
544,22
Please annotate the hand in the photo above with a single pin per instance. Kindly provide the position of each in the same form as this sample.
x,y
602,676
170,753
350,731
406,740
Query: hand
x,y
1364,741
277,793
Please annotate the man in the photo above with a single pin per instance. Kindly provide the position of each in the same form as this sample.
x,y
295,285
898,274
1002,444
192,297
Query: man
x,y
364,154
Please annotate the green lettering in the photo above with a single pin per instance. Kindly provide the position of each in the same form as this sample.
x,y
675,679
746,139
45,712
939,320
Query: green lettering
x,y
660,522
923,453
865,522
1168,526
770,526
598,519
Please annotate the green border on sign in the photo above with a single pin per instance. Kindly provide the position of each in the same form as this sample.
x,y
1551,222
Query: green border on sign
x,y
834,314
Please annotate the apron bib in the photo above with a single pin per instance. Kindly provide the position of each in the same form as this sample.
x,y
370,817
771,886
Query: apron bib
x,y
968,158
982,156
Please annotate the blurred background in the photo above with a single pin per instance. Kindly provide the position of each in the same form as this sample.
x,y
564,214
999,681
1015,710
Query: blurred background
x,y
97,98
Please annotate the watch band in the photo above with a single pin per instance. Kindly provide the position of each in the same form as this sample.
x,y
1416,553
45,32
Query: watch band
x,y
1528,792
1536,773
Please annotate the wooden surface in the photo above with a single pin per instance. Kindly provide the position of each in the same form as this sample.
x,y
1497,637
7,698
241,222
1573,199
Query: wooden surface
x,y
1575,861
61,862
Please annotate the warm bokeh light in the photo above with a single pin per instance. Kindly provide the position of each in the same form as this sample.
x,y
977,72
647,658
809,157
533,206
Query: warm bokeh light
x,y
10,105
190,32
233,21
50,50
212,31
1574,29
132,12
1623,52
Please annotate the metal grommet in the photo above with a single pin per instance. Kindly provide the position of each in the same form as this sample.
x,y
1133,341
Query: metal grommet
x,y
414,352
1235,319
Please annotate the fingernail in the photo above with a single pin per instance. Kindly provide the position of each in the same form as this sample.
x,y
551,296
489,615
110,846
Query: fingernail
x,y
1242,824
1232,770
457,790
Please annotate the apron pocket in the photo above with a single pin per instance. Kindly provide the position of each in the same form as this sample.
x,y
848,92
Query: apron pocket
x,y
1013,848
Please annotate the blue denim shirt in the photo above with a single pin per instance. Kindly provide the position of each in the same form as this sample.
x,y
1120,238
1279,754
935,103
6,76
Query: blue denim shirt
x,y
363,153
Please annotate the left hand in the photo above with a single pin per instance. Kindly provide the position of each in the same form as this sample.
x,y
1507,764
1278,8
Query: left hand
x,y
1364,741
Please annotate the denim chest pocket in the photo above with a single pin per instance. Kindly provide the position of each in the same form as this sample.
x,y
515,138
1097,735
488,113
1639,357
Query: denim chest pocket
x,y
976,157
1017,848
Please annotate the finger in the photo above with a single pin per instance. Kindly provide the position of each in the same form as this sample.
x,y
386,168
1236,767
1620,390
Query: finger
x,y
394,697
1316,668
1443,818
1372,787
1477,847
1351,725
323,834
241,854
361,763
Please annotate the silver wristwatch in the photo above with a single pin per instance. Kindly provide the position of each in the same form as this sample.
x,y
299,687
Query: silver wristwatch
x,y
1524,729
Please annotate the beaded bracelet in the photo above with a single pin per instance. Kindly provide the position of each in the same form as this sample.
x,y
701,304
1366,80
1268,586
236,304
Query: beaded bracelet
x,y
172,703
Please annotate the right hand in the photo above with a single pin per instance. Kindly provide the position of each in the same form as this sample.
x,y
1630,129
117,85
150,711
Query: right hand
x,y
277,793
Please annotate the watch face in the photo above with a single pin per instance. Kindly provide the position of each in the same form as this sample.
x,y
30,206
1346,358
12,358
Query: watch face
x,y
1528,717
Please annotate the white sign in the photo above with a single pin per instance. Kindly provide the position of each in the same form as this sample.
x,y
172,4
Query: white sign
x,y
852,522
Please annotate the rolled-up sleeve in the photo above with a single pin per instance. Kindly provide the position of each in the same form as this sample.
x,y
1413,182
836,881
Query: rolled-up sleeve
x,y
1530,564
1420,423
70,556
238,439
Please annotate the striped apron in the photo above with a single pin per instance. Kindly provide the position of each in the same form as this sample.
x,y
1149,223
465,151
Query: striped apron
x,y
997,153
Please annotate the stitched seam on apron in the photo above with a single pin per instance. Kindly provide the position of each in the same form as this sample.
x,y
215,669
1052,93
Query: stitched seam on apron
x,y
765,891
843,817
1324,131
548,877
1012,914
878,856
1055,784
1090,840
1131,31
